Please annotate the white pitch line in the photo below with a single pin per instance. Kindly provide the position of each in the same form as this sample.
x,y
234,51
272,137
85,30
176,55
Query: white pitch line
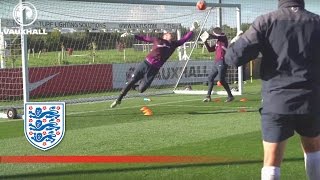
x,y
13,120
214,106
131,107
157,104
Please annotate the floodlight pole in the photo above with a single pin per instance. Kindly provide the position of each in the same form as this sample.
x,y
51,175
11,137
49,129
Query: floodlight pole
x,y
24,55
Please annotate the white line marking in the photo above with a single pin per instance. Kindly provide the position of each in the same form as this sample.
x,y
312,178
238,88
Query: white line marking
x,y
131,107
157,104
13,120
214,106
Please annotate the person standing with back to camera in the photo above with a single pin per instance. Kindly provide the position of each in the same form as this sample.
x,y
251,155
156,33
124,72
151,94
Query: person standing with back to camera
x,y
289,40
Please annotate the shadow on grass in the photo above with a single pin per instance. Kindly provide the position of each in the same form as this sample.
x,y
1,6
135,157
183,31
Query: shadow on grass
x,y
224,112
103,115
135,169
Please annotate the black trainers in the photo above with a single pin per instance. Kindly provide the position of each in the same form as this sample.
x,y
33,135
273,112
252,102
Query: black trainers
x,y
207,99
115,103
229,99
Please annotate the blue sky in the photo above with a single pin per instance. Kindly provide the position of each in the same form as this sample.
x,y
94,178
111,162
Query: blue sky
x,y
254,8
88,11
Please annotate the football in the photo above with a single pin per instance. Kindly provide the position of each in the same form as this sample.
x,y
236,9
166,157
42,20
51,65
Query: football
x,y
201,5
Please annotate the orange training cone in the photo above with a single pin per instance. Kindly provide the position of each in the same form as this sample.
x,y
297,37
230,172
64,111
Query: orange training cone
x,y
144,108
243,100
148,113
147,110
217,100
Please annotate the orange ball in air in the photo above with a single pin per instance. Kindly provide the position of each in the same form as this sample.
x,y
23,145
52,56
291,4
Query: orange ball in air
x,y
201,5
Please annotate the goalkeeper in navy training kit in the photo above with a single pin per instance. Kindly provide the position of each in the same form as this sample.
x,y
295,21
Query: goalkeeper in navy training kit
x,y
289,40
219,68
147,70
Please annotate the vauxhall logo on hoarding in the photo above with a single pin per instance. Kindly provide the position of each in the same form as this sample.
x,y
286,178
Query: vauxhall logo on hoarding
x,y
30,16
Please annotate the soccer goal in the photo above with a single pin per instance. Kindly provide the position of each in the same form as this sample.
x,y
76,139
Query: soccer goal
x,y
72,51
228,17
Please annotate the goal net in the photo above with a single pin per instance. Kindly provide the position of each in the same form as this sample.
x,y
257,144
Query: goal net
x,y
76,53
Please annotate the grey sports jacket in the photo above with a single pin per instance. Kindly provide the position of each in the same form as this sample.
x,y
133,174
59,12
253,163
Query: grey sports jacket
x,y
289,40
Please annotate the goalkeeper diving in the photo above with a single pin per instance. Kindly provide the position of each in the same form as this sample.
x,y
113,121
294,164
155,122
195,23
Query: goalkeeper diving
x,y
147,70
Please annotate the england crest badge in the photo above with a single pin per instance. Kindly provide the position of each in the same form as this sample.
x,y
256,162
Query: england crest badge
x,y
44,123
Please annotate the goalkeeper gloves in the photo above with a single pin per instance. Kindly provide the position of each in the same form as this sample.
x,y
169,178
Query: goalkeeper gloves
x,y
126,34
204,36
195,25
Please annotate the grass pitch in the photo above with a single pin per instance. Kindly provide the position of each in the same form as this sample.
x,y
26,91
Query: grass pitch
x,y
181,126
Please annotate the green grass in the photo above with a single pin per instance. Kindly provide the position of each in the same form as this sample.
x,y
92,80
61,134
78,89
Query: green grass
x,y
181,125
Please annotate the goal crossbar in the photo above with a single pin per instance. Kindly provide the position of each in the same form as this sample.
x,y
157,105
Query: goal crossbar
x,y
168,3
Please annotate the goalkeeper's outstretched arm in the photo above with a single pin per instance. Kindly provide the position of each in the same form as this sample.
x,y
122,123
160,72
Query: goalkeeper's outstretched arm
x,y
139,37
187,37
209,48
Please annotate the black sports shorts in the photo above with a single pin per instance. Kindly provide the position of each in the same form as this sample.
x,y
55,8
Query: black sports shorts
x,y
145,73
219,71
279,127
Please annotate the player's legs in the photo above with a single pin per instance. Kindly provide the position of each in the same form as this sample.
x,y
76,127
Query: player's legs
x,y
311,148
310,144
147,79
276,129
128,86
222,71
211,78
136,76
309,129
273,155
